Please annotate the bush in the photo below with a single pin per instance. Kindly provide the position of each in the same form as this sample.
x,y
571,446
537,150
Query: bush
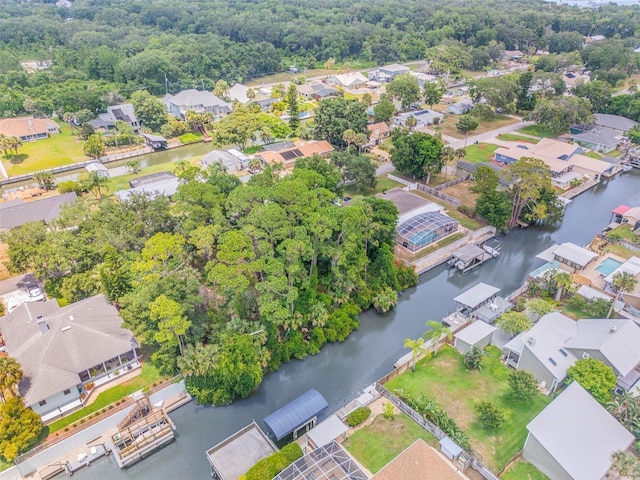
x,y
269,467
358,416
473,358
69,186
489,414
524,385
521,305
388,411
190,138
467,210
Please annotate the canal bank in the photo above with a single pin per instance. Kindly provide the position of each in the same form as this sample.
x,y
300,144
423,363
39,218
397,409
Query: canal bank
x,y
341,371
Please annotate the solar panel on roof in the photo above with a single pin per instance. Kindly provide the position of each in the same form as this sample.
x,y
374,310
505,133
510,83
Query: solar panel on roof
x,y
291,154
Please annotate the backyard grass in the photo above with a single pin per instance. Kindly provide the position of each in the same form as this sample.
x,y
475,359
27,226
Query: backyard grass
x,y
466,222
461,192
538,131
378,443
480,152
593,154
523,470
446,379
448,125
147,377
623,232
621,251
383,184
288,77
510,137
57,150
409,257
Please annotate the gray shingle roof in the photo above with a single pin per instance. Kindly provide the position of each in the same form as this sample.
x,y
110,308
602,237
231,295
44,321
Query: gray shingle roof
x,y
16,213
575,254
579,434
52,360
614,121
473,297
193,98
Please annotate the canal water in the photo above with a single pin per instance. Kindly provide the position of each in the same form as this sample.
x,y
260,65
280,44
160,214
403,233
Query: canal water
x,y
341,371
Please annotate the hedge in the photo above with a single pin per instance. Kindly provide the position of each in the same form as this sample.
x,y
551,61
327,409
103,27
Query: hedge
x,y
269,467
358,416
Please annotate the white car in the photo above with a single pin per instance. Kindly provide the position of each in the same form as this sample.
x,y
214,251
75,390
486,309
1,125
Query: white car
x,y
35,294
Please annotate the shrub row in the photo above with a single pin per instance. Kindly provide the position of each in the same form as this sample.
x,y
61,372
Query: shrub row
x,y
358,416
269,467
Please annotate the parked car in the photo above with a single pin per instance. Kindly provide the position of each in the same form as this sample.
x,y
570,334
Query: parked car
x,y
35,294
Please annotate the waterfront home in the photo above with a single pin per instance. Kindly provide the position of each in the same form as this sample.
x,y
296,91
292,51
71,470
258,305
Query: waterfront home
x,y
239,93
152,185
570,257
28,129
14,213
604,134
64,352
193,100
574,437
556,342
123,113
301,149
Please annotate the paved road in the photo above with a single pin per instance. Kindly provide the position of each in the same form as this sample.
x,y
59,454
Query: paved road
x,y
52,454
490,134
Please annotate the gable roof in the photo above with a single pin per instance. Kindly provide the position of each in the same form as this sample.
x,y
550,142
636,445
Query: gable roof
x,y
579,434
302,148
545,340
26,126
575,254
123,112
475,332
239,92
617,122
419,461
18,212
476,295
51,359
599,135
193,97
348,79
395,67
379,128
617,340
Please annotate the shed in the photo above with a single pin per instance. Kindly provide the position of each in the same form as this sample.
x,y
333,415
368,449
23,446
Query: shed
x,y
478,334
327,431
296,414
99,168
475,296
451,449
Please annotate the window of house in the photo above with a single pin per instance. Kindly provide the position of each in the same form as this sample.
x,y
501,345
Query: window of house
x,y
42,403
67,392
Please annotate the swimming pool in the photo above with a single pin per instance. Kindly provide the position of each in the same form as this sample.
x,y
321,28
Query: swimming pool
x,y
608,266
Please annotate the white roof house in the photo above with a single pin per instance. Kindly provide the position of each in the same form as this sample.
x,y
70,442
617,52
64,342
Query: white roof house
x,y
574,436
477,295
348,80
574,256
478,334
195,101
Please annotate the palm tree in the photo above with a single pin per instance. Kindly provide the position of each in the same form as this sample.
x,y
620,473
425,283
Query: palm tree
x,y
411,122
563,281
436,331
97,182
415,346
10,376
622,282
447,155
45,179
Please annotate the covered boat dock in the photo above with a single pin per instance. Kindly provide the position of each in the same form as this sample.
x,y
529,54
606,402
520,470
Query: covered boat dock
x,y
297,414
468,257
231,458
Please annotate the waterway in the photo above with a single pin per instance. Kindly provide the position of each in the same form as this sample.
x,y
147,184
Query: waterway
x,y
341,371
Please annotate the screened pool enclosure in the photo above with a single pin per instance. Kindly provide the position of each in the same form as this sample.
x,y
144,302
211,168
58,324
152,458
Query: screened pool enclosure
x,y
424,229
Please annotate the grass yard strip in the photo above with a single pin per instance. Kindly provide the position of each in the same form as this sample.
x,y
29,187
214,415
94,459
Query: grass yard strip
x,y
147,377
510,137
538,131
480,153
5,465
593,154
59,149
446,379
380,442
466,222
621,251
523,470
383,184
448,126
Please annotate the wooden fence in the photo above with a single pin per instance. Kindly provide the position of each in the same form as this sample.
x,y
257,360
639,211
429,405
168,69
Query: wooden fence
x,y
453,182
442,196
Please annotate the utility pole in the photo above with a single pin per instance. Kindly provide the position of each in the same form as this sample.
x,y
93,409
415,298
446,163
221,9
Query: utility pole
x,y
166,85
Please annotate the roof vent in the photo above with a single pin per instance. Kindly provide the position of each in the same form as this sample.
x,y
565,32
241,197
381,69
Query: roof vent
x,y
613,329
71,318
531,341
42,324
65,328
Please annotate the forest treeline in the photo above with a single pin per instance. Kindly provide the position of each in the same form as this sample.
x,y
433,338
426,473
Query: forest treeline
x,y
228,281
101,47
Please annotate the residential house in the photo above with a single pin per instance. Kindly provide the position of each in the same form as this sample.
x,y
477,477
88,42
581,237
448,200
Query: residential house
x,y
65,351
15,213
561,158
604,134
594,38
461,107
574,437
387,73
239,93
420,461
478,334
569,256
124,113
423,78
153,185
301,149
378,132
28,129
511,55
423,118
556,342
317,91
353,80
632,266
232,159
573,79
195,101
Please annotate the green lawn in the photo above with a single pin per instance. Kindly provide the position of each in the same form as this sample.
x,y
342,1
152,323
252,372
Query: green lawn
x,y
446,379
384,183
623,232
523,470
466,222
510,137
57,150
593,154
481,152
378,443
147,377
538,131
4,465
